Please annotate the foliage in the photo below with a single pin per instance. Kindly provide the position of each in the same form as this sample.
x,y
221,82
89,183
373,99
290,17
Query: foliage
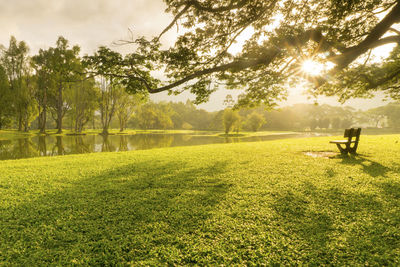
x,y
127,105
152,116
205,205
15,61
58,68
392,111
102,63
82,98
231,117
6,111
278,37
254,121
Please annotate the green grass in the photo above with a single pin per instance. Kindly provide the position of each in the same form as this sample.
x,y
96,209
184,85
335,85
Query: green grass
x,y
231,204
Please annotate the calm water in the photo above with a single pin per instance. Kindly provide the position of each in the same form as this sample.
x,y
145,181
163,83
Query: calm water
x,y
41,146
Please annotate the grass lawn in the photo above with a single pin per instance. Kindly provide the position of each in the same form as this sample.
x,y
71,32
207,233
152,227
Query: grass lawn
x,y
243,203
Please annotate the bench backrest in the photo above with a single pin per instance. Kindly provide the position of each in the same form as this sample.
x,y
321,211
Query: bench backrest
x,y
350,133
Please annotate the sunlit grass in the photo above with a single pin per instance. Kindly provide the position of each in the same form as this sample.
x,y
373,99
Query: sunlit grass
x,y
246,204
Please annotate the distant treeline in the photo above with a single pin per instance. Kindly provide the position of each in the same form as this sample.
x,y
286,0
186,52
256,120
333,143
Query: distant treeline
x,y
54,89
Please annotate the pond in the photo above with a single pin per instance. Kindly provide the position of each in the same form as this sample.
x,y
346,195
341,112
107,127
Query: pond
x,y
41,146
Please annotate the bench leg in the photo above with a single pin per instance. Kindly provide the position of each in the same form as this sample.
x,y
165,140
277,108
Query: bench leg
x,y
342,150
353,150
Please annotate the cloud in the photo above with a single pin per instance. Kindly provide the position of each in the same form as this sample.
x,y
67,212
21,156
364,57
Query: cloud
x,y
89,23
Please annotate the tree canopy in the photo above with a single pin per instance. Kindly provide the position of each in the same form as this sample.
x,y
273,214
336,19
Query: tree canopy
x,y
279,36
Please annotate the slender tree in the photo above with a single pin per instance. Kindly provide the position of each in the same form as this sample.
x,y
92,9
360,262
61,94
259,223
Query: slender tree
x,y
15,60
230,118
105,64
45,85
6,111
127,105
83,100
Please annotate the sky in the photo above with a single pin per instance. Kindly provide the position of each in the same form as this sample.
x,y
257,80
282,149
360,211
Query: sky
x,y
92,23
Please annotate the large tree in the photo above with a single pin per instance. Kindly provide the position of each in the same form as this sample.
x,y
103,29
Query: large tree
x,y
5,100
15,61
280,36
45,85
65,66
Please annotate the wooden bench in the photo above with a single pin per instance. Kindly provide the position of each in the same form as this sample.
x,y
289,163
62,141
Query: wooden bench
x,y
350,134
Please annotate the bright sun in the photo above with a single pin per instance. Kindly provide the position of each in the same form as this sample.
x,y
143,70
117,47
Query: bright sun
x,y
312,68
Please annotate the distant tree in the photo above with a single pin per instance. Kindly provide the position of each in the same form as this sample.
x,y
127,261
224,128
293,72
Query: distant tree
x,y
392,111
6,111
30,111
102,63
146,116
347,123
108,102
163,121
187,126
83,101
217,120
15,61
127,105
336,123
45,85
237,126
313,124
164,113
376,115
229,119
255,121
324,123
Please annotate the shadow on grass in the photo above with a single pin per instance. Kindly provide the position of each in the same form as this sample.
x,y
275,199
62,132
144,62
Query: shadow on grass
x,y
126,214
326,220
370,167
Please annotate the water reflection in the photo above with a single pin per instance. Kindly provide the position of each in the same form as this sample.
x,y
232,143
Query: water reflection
x,y
65,145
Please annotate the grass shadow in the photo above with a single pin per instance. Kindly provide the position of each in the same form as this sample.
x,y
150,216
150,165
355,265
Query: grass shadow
x,y
372,168
122,215
328,219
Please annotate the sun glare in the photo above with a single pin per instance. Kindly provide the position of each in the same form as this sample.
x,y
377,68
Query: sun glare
x,y
312,68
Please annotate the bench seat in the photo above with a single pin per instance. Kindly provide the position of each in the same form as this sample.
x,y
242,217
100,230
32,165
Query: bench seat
x,y
341,141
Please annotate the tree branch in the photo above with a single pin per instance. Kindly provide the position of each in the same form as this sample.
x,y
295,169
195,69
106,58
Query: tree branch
x,y
371,41
231,6
180,14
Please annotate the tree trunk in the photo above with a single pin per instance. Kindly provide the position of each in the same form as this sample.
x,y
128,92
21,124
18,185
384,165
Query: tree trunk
x,y
19,121
26,127
121,123
59,109
105,130
43,114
